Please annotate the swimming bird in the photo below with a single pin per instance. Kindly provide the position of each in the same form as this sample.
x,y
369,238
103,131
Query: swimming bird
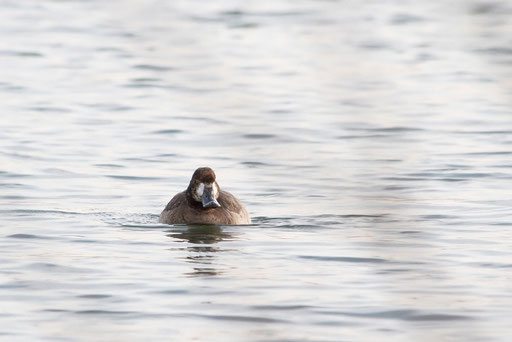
x,y
204,203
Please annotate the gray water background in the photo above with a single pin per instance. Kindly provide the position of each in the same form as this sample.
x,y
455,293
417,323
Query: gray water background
x,y
370,141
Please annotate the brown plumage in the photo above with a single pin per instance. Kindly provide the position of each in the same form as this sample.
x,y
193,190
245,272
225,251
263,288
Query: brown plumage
x,y
204,203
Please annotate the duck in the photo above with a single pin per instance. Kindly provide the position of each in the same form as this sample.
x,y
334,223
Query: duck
x,y
204,203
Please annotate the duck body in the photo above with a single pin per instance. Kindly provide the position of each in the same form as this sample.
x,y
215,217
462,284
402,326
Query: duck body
x,y
204,203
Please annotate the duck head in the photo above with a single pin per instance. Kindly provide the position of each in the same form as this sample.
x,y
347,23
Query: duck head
x,y
203,188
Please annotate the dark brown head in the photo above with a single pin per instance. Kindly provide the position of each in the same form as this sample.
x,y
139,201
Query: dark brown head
x,y
203,188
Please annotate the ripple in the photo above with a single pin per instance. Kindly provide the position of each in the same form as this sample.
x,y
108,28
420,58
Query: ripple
x,y
498,50
50,109
14,185
8,87
281,307
56,268
168,131
485,132
489,153
457,175
14,285
404,315
374,45
172,292
254,164
438,317
152,67
94,296
438,217
29,236
493,265
116,166
259,136
396,129
345,259
38,215
244,25
21,53
363,136
142,85
252,319
136,178
403,19
351,216
40,211
106,312
239,13
145,79
494,8
85,241
112,107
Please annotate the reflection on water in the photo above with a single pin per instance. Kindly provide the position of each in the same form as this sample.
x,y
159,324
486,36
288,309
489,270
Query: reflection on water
x,y
200,234
202,253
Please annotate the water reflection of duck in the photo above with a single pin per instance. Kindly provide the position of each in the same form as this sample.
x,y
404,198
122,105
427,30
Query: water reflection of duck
x,y
200,235
202,253
204,203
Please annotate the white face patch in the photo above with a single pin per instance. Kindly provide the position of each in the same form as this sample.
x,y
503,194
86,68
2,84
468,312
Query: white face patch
x,y
199,192
215,190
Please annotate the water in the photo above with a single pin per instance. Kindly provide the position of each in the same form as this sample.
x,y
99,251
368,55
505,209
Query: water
x,y
370,141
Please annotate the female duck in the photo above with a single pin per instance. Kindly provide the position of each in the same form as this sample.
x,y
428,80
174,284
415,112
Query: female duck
x,y
204,203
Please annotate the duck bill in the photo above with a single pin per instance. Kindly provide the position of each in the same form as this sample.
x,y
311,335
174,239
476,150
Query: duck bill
x,y
208,198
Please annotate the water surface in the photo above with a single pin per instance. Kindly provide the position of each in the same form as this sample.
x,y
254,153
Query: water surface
x,y
370,141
